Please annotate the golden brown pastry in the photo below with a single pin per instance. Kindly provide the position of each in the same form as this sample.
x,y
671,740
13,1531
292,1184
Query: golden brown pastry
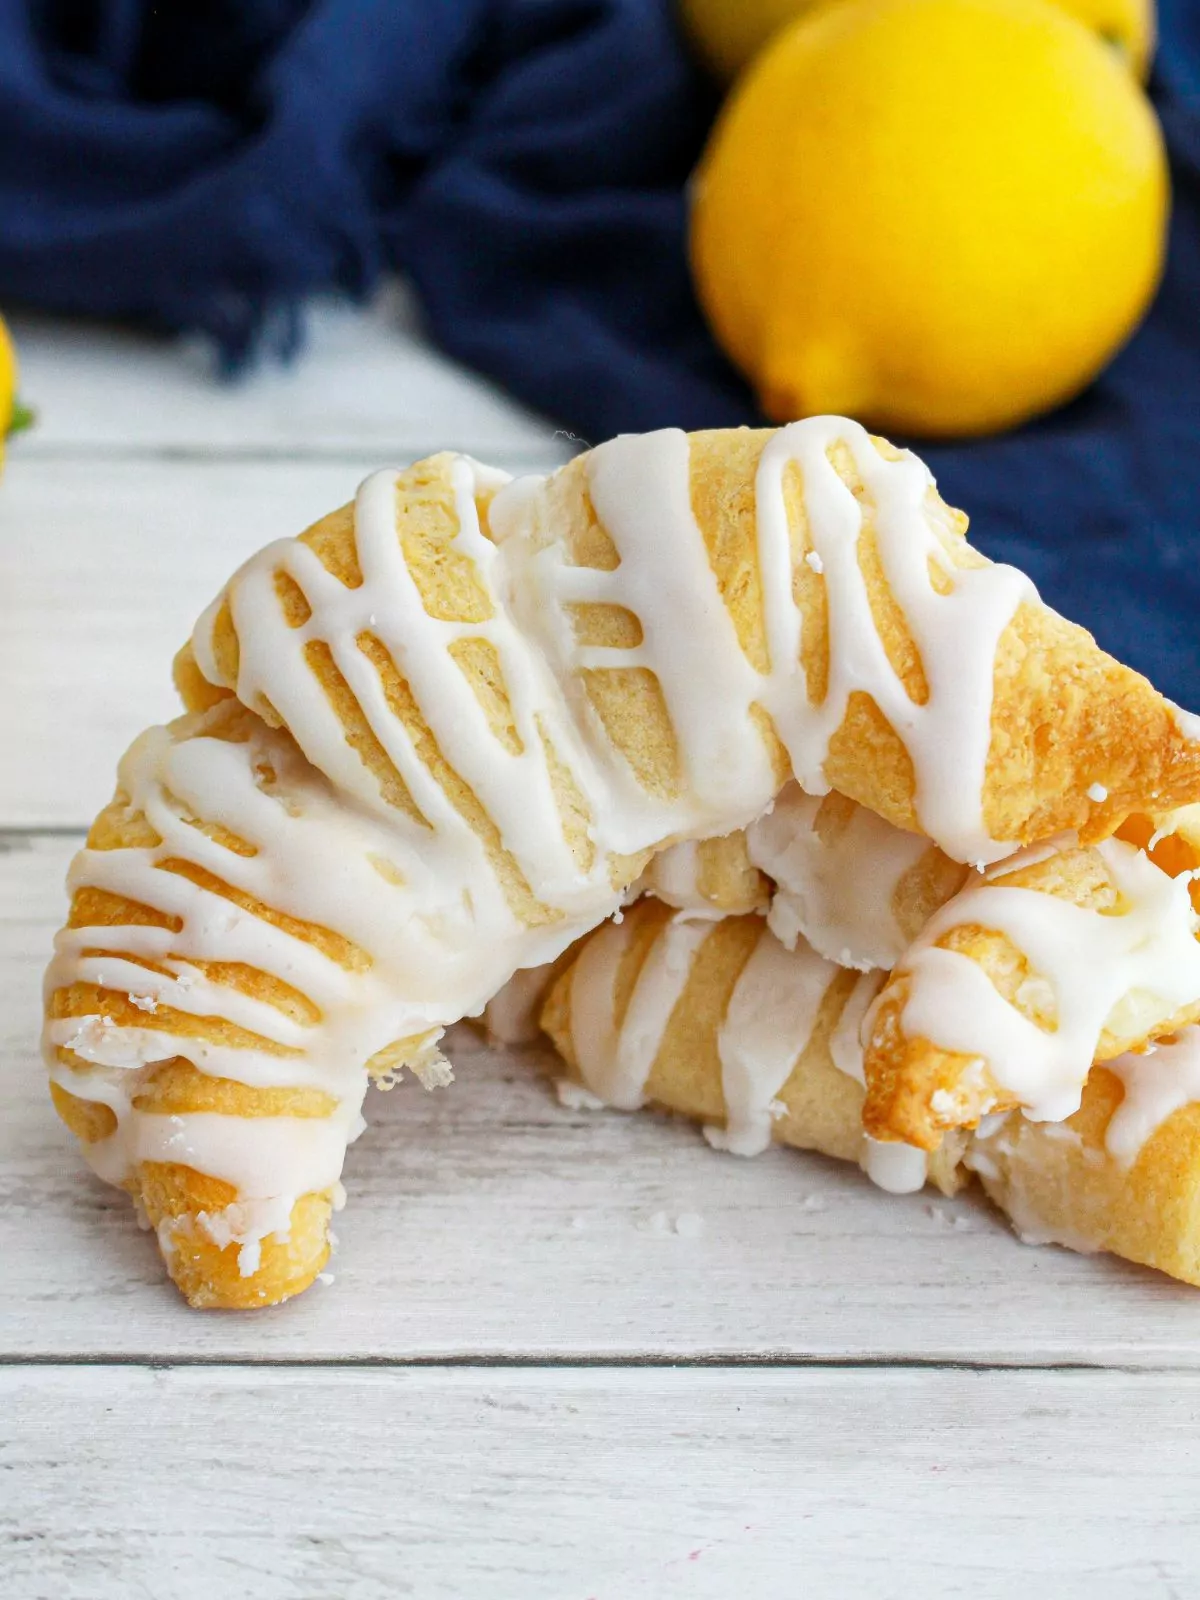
x,y
719,1022
1060,956
722,1024
435,740
707,877
1121,1174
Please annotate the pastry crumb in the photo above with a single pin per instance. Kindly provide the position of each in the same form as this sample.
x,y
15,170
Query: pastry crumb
x,y
574,1097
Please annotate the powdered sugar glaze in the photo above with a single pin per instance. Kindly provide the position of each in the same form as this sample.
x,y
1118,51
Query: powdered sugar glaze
x,y
414,890
1089,964
639,486
771,1018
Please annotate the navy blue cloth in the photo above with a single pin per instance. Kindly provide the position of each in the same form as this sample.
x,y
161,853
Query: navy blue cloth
x,y
208,164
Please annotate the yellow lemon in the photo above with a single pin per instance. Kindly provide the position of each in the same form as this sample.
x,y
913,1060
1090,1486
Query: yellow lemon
x,y
941,216
1127,25
729,33
8,386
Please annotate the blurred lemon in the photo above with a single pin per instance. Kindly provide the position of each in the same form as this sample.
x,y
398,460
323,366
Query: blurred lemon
x,y
8,387
1127,25
729,33
941,216
13,416
8,378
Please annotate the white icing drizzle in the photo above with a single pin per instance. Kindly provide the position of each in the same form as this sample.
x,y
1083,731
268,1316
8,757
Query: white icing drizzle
x,y
421,903
639,486
846,1041
1145,954
615,1062
838,893
896,1167
956,634
768,1024
892,1165
420,898
245,1222
574,1097
673,877
1156,1085
514,787
313,861
305,1153
511,1015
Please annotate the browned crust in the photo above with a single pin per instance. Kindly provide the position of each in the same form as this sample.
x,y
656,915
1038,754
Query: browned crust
x,y
821,1106
916,1090
1058,1182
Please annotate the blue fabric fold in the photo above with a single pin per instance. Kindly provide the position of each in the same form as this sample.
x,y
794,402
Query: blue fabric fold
x,y
209,164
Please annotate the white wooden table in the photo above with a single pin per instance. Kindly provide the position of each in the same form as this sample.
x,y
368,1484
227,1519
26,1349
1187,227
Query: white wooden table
x,y
526,1380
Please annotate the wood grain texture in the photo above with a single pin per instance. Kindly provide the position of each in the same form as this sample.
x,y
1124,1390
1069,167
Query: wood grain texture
x,y
596,1485
367,385
104,567
487,1222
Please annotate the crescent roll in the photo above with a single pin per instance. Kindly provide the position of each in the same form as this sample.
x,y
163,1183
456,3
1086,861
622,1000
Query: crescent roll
x,y
1121,1174
436,739
722,1024
719,1022
1059,957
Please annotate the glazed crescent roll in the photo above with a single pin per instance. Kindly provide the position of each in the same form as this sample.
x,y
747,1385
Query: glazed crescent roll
x,y
825,871
1121,1174
707,878
721,1023
823,868
1059,957
436,739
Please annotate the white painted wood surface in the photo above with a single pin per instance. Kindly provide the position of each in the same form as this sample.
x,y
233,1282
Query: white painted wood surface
x,y
478,1404
368,388
104,567
253,1484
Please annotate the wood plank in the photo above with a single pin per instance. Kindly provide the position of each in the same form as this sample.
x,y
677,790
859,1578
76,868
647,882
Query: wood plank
x,y
187,1483
104,568
486,1222
367,384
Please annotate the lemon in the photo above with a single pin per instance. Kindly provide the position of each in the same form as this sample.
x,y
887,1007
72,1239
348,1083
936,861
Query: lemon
x,y
13,416
1127,25
940,216
8,407
729,33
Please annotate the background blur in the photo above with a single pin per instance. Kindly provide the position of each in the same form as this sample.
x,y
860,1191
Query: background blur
x,y
946,216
